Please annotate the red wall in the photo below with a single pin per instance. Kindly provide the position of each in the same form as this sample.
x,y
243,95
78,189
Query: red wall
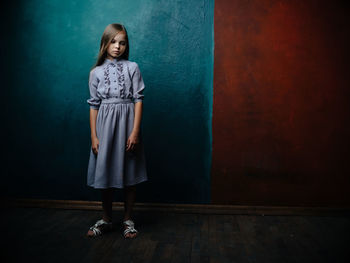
x,y
280,110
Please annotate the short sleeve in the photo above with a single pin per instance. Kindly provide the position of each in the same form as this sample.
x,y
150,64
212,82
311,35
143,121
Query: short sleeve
x,y
138,85
94,100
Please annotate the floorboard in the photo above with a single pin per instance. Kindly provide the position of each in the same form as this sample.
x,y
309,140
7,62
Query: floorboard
x,y
59,235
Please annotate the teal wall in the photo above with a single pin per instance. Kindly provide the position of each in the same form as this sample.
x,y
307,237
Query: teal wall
x,y
51,46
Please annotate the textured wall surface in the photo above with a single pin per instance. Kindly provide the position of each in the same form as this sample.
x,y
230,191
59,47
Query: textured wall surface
x,y
52,47
280,105
276,98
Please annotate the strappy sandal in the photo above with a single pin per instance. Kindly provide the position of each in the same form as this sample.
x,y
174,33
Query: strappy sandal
x,y
100,227
130,228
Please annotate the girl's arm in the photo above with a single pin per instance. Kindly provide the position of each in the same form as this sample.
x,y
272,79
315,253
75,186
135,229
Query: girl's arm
x,y
138,117
94,139
134,136
138,88
94,103
93,117
138,96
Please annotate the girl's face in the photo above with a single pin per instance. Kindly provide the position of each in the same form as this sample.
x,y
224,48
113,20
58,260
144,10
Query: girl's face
x,y
117,46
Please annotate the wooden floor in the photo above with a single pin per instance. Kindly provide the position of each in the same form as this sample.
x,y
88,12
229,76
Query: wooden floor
x,y
57,235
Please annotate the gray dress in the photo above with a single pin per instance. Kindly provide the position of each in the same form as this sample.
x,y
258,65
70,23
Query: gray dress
x,y
115,87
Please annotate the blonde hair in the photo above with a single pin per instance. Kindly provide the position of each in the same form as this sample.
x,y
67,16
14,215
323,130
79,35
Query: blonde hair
x,y
108,34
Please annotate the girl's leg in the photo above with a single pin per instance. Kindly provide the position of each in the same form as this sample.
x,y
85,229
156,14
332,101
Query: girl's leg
x,y
129,196
107,199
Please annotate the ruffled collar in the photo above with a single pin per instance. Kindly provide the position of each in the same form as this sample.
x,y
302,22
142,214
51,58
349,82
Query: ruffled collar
x,y
114,60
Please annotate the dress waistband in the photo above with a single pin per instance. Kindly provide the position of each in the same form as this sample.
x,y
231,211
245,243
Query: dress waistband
x,y
116,100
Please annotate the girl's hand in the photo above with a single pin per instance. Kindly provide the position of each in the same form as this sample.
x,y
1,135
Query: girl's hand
x,y
133,140
94,144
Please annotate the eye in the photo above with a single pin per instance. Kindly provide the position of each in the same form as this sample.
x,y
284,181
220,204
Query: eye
x,y
122,43
113,41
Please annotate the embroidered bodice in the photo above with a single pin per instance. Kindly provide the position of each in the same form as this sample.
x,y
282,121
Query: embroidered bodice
x,y
118,78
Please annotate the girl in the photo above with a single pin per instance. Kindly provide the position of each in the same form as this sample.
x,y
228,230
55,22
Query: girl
x,y
117,155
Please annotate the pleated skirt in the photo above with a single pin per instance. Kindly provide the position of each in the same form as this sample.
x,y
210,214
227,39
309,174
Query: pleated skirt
x,y
113,166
